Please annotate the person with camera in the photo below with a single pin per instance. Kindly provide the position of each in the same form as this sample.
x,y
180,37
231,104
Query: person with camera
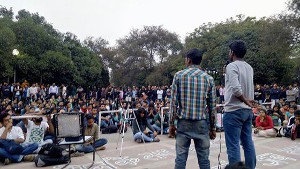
x,y
191,89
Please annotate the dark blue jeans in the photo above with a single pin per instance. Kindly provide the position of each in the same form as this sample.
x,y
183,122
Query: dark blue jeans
x,y
90,148
238,127
198,131
28,149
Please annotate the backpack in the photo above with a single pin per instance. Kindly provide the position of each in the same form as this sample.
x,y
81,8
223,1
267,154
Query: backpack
x,y
45,160
51,150
110,129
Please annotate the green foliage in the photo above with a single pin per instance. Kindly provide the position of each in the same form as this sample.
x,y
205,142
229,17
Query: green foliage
x,y
140,55
268,42
46,55
151,55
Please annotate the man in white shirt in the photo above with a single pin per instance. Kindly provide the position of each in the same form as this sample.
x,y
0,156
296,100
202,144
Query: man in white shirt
x,y
53,90
33,91
10,132
159,93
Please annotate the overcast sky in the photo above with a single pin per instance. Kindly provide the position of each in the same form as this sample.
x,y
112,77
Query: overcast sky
x,y
113,19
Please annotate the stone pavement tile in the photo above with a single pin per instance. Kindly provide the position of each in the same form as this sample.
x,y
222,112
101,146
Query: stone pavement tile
x,y
271,153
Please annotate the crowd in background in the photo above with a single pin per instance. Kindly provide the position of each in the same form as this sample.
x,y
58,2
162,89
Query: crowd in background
x,y
277,106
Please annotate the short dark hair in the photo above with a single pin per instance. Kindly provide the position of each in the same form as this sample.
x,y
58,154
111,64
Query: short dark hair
x,y
297,113
3,115
89,116
239,48
294,107
195,55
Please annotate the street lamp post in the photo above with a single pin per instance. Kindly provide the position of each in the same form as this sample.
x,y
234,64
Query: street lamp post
x,y
15,53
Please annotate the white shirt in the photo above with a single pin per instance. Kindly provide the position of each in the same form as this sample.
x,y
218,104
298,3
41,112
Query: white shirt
x,y
32,90
53,89
35,133
64,89
222,91
15,133
159,94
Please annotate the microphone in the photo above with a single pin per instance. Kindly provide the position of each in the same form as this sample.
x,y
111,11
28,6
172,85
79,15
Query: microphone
x,y
224,67
227,63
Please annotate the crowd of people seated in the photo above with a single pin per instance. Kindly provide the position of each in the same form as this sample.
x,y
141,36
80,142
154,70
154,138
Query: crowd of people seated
x,y
277,112
21,99
45,100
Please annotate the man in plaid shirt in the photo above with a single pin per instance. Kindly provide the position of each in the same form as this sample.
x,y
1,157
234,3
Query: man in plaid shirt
x,y
191,89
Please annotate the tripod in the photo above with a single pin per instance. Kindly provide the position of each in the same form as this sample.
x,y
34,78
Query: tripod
x,y
124,121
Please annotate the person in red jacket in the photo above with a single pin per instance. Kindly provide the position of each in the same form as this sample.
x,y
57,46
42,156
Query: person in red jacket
x,y
264,125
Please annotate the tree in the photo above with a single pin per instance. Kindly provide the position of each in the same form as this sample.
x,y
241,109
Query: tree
x,y
268,41
4,12
7,43
138,53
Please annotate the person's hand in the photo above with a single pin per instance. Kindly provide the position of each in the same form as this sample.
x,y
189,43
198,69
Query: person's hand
x,y
9,125
212,134
251,103
145,132
260,128
154,133
86,144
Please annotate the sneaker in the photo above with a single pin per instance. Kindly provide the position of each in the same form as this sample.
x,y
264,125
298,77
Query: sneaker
x,y
156,139
255,131
29,158
139,140
6,161
77,154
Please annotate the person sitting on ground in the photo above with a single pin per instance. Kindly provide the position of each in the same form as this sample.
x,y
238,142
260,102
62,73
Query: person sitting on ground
x,y
157,120
106,119
151,114
295,132
276,115
139,128
290,113
291,122
36,130
10,132
264,125
92,129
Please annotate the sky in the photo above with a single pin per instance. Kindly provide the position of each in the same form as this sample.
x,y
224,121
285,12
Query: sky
x,y
114,19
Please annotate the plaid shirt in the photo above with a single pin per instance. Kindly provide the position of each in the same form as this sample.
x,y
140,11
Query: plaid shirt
x,y
190,89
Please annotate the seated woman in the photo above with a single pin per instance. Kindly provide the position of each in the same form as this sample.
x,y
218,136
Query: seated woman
x,y
264,125
276,115
139,126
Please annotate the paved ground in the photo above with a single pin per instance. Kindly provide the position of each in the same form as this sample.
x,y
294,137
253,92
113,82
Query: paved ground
x,y
272,153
